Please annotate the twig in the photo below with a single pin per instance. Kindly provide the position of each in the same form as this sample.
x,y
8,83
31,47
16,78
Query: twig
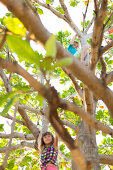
x,y
66,13
106,48
10,139
108,19
31,6
84,15
89,25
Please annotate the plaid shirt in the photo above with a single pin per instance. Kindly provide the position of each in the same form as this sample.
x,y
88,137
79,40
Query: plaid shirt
x,y
49,155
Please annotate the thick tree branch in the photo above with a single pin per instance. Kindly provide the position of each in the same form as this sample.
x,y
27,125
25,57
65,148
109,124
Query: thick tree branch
x,y
98,26
90,120
106,159
52,114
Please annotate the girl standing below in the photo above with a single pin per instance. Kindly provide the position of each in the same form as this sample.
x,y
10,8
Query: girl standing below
x,y
49,151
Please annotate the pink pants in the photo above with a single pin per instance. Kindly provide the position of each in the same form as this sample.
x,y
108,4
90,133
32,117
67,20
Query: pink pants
x,y
50,167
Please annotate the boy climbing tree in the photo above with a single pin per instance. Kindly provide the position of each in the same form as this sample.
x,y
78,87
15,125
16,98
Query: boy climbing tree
x,y
73,48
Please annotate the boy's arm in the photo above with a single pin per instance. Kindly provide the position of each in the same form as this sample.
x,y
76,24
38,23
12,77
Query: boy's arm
x,y
72,40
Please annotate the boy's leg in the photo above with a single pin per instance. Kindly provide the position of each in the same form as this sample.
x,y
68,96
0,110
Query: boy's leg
x,y
84,52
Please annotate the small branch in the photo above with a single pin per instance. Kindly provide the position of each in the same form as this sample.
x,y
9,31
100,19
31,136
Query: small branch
x,y
10,139
31,6
21,136
17,120
49,7
84,15
89,25
108,19
18,147
71,125
6,81
96,5
31,109
66,13
109,78
76,86
106,48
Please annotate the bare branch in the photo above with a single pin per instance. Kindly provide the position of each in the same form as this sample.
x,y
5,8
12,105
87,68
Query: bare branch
x,y
84,15
106,48
76,86
54,11
31,109
66,13
10,138
71,125
5,80
89,25
96,5
18,147
21,136
109,78
108,19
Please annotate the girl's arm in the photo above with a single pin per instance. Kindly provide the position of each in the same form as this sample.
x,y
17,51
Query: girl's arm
x,y
56,142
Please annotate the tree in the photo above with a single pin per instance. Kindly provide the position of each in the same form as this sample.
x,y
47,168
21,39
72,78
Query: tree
x,y
81,102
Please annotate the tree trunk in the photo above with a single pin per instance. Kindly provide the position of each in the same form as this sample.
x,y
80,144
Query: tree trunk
x,y
87,142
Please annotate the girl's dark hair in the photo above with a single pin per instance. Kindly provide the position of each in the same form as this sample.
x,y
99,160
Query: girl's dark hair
x,y
44,134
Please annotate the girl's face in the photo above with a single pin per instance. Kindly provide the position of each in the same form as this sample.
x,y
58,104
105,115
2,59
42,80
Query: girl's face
x,y
47,139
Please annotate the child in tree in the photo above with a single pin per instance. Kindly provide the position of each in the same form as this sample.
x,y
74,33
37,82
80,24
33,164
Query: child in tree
x,y
49,151
81,53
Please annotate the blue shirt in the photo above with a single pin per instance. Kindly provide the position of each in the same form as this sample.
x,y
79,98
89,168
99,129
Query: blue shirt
x,y
71,49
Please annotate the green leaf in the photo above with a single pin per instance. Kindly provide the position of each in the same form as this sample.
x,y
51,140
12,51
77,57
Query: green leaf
x,y
4,98
63,62
49,1
8,106
1,127
50,46
40,11
22,49
15,26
